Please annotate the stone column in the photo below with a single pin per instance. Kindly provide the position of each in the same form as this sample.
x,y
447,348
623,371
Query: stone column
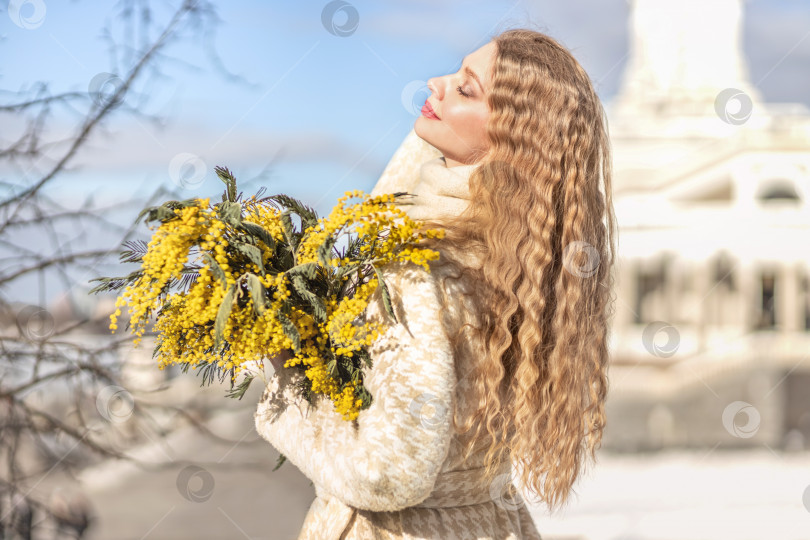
x,y
787,298
703,291
744,297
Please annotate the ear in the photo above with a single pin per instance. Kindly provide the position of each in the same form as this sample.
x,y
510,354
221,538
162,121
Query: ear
x,y
402,171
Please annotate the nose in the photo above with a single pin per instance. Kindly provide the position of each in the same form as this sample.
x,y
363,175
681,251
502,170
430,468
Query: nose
x,y
434,87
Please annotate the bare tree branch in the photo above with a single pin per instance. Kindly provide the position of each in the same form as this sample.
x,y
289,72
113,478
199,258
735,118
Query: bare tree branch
x,y
56,365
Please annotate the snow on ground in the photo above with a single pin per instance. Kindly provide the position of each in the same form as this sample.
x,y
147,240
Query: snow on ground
x,y
711,494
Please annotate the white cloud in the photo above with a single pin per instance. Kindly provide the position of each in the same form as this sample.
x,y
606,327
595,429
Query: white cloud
x,y
141,146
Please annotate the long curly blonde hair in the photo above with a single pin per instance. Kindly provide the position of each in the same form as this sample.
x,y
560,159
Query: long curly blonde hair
x,y
544,229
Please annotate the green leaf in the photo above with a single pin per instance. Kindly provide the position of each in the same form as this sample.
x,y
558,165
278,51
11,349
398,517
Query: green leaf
x,y
307,270
190,275
228,179
222,315
144,212
281,459
114,283
241,388
363,356
176,205
230,212
289,230
308,216
325,250
256,293
259,232
290,330
215,269
331,365
150,213
166,211
300,285
135,252
353,248
363,394
251,252
162,214
386,296
346,270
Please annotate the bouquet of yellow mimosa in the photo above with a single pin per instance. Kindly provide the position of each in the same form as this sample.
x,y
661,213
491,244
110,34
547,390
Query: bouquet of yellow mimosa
x,y
229,285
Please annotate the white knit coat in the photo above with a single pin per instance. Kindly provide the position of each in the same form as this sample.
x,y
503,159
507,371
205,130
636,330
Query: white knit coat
x,y
397,471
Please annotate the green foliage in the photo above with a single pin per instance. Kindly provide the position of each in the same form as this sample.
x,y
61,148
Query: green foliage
x,y
315,302
241,388
251,251
222,315
215,269
280,461
309,218
386,295
249,243
290,330
257,293
259,233
230,183
164,212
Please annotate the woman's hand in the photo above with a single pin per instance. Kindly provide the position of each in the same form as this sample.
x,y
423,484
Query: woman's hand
x,y
279,359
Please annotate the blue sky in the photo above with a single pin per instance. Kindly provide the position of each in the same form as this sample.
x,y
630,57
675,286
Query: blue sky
x,y
326,111
320,113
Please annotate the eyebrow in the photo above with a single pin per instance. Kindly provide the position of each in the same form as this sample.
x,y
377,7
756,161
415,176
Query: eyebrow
x,y
472,74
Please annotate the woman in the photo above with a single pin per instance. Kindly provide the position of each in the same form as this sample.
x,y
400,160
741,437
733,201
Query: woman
x,y
500,352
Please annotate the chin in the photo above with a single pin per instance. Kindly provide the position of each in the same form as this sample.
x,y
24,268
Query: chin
x,y
418,128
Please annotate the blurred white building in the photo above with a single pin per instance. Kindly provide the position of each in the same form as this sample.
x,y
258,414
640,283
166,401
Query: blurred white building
x,y
711,189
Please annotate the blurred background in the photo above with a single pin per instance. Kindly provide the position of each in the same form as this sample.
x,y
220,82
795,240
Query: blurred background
x,y
106,107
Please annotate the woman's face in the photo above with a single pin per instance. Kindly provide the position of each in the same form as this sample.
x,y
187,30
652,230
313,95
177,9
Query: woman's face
x,y
459,100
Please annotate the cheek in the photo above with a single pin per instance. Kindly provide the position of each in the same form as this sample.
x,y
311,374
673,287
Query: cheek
x,y
470,117
475,127
480,122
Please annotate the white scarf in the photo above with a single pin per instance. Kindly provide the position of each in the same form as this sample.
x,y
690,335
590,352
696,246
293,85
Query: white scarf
x,y
441,191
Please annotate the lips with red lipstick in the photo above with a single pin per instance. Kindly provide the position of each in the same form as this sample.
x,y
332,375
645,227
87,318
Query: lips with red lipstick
x,y
428,111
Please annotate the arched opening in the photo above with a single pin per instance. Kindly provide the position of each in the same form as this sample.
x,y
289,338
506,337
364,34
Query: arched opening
x,y
778,190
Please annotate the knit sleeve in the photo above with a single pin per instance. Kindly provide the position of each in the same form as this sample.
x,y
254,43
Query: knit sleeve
x,y
390,456
402,172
